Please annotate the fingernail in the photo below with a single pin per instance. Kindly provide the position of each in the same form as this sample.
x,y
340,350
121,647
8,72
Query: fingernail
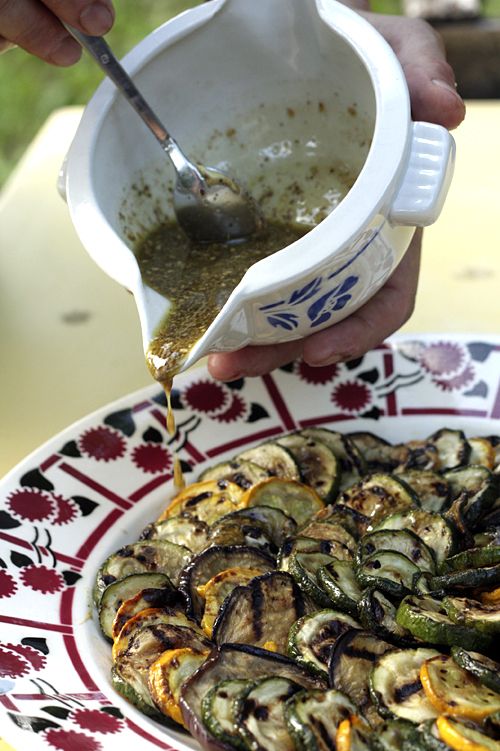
x,y
96,19
446,86
68,52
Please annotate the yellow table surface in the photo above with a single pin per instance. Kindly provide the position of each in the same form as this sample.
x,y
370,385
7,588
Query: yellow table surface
x,y
70,336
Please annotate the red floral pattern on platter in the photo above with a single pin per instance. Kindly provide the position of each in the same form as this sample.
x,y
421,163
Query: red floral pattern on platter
x,y
152,458
237,410
459,381
66,510
42,579
30,504
320,375
12,665
96,721
71,740
207,397
351,396
36,659
442,358
8,585
102,444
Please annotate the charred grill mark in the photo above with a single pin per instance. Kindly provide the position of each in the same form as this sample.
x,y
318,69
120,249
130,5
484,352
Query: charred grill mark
x,y
257,609
406,690
361,654
320,730
197,499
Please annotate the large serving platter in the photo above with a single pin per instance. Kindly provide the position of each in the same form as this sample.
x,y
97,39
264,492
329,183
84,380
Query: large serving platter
x,y
93,487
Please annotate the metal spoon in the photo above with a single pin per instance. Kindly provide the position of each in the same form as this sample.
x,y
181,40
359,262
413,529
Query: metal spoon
x,y
209,205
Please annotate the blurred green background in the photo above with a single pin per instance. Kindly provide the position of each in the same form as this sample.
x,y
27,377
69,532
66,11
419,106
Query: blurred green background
x,y
30,90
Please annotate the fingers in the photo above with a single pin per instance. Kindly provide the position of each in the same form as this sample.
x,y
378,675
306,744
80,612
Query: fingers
x,y
430,78
351,338
35,26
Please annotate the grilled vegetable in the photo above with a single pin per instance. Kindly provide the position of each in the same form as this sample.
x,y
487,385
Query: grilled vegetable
x,y
324,529
377,496
212,561
452,447
379,455
218,710
482,452
455,692
433,529
260,612
400,541
186,531
470,578
427,618
260,716
477,486
462,737
160,592
338,581
235,661
314,716
352,658
312,638
395,685
205,501
483,618
215,591
391,736
166,676
152,617
431,488
352,464
293,498
230,530
392,573
275,459
278,525
241,472
472,558
155,556
378,614
304,556
318,465
353,734
486,670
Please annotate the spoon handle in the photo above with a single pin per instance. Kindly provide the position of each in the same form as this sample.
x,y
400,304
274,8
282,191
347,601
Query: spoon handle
x,y
103,55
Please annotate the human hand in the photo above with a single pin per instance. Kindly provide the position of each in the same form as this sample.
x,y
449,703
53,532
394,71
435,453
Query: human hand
x,y
434,98
37,27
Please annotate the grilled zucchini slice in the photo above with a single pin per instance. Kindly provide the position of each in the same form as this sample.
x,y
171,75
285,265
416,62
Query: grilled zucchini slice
x,y
392,573
338,581
352,464
470,578
391,736
400,541
460,736
218,710
395,685
182,530
378,614
471,613
155,556
260,715
314,716
352,658
318,465
427,619
313,636
486,670
212,561
230,530
452,447
433,529
324,529
166,676
472,558
152,617
278,525
431,488
206,501
453,691
159,592
275,459
304,556
262,611
293,498
241,472
379,455
215,591
477,486
377,496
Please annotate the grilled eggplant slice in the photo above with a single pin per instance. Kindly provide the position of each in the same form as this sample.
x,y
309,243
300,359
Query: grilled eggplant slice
x,y
318,465
166,676
400,541
218,710
212,561
275,459
263,611
431,488
205,501
352,658
378,615
392,573
314,716
313,637
377,496
215,591
453,691
427,619
235,661
338,581
241,472
155,556
473,614
158,589
433,530
260,715
293,498
486,670
395,685
182,530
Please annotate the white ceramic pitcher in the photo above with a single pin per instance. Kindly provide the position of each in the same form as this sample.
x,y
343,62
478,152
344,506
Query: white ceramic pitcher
x,y
270,71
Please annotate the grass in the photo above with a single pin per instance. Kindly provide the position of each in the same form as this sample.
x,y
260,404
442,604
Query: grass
x,y
30,90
